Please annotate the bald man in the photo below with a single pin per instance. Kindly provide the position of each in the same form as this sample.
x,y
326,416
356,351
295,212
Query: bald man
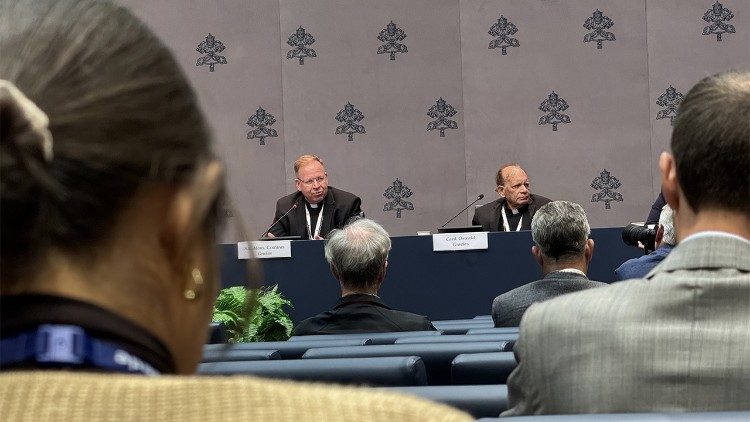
x,y
515,207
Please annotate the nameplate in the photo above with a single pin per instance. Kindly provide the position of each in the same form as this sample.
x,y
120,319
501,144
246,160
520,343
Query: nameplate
x,y
263,250
459,241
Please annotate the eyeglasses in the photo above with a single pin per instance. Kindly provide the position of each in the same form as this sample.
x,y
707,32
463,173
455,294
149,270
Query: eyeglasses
x,y
310,182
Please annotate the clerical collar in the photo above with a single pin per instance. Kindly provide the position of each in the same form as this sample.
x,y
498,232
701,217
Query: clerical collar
x,y
514,211
312,205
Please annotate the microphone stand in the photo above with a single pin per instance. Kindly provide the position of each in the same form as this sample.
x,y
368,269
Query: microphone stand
x,y
479,198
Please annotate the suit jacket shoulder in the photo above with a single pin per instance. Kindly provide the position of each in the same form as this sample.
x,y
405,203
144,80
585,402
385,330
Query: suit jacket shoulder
x,y
666,344
509,307
362,314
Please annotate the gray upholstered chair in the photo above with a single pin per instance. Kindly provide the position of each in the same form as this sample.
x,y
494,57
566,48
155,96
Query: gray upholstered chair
x,y
382,371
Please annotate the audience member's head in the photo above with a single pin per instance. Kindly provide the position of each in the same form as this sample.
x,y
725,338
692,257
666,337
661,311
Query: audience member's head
x,y
358,256
705,180
108,185
665,232
513,185
560,232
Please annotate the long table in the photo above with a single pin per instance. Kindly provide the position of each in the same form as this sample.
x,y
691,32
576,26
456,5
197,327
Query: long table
x,y
441,285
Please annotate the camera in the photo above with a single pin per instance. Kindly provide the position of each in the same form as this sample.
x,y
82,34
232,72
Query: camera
x,y
634,233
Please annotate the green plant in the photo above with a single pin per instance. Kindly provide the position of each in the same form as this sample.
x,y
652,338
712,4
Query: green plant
x,y
253,315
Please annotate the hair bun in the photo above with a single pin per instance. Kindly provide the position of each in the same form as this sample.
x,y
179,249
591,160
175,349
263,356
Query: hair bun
x,y
24,125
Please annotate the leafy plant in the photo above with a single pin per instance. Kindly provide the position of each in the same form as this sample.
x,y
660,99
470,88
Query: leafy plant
x,y
253,315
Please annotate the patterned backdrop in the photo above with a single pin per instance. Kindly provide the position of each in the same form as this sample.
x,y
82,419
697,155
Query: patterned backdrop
x,y
414,104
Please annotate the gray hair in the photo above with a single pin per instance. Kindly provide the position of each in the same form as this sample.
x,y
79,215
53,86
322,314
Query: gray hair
x,y
560,229
666,220
358,252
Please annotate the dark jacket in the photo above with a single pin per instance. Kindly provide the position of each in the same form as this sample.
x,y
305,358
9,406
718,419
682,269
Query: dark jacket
x,y
488,215
508,308
339,207
362,313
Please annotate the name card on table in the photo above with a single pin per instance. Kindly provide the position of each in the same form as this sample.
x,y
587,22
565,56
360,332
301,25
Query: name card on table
x,y
459,241
264,249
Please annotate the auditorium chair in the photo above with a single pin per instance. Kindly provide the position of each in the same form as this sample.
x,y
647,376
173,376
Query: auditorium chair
x,y
228,355
458,338
459,321
377,338
477,400
632,417
380,371
287,350
482,368
437,357
498,330
461,326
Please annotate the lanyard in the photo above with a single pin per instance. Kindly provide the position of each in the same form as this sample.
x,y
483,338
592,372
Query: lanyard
x,y
68,346
506,226
312,235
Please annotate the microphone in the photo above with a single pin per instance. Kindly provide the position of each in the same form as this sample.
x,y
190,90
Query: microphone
x,y
479,198
294,205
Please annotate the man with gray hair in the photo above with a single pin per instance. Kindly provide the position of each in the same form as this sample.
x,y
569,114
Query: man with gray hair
x,y
358,256
563,249
665,241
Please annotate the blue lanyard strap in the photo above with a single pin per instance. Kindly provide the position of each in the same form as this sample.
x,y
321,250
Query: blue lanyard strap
x,y
70,346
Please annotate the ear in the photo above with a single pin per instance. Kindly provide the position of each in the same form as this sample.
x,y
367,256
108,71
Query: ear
x,y
298,184
537,254
588,250
500,191
669,186
186,214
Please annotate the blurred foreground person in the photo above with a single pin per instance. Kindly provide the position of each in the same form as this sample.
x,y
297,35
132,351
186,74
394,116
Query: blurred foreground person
x,y
108,193
676,341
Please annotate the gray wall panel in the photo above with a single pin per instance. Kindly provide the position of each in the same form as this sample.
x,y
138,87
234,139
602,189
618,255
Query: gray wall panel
x,y
611,93
233,91
393,95
680,55
605,90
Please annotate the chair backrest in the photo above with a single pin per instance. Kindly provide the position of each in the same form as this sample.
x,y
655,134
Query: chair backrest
x,y
383,371
464,328
376,338
217,333
477,400
437,357
443,322
234,355
459,338
497,330
288,350
482,368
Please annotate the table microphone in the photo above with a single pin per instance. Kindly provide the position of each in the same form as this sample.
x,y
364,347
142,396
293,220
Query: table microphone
x,y
479,198
294,205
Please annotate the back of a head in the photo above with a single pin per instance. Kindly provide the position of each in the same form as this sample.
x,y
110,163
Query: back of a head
x,y
711,143
121,115
358,252
560,229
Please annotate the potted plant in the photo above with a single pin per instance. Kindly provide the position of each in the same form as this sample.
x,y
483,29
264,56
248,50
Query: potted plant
x,y
253,315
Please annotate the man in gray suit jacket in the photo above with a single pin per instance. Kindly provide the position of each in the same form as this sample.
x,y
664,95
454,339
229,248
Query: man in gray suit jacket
x,y
679,340
516,206
563,249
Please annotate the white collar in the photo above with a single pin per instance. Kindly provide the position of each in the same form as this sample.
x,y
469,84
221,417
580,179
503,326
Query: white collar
x,y
312,205
572,271
713,233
